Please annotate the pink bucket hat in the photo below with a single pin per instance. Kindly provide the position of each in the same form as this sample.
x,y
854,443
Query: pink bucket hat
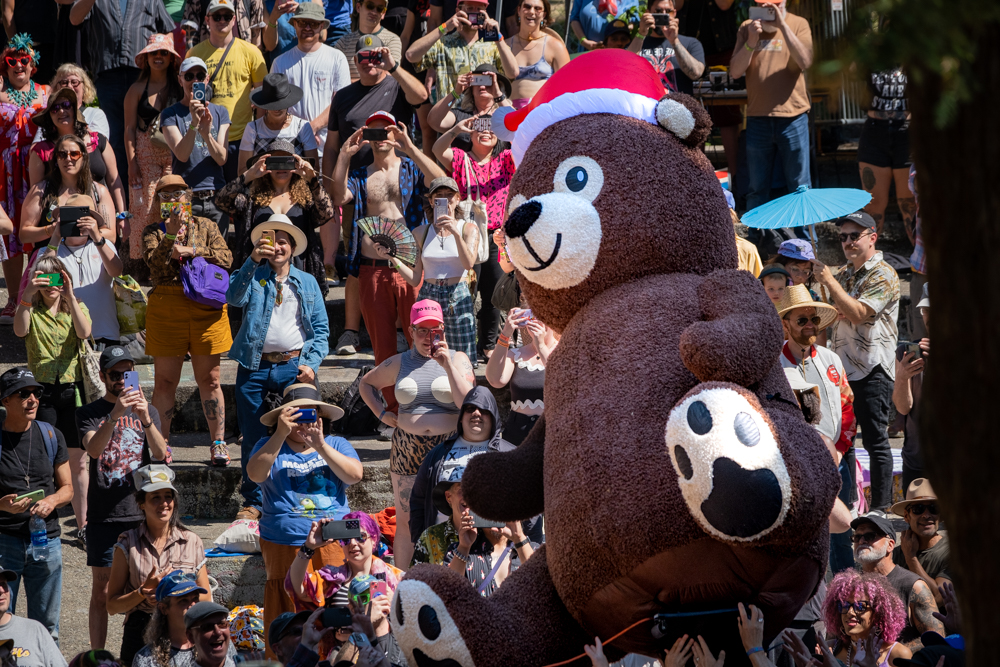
x,y
157,42
425,310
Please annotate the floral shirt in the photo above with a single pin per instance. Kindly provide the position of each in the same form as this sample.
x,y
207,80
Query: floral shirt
x,y
871,343
53,347
438,544
490,180
201,233
452,56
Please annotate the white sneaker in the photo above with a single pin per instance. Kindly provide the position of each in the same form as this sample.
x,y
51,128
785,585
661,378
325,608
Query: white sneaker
x,y
348,343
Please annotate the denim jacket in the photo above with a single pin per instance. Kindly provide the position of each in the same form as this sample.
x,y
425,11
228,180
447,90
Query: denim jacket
x,y
252,288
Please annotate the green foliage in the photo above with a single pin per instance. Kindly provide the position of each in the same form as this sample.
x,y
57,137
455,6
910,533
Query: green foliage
x,y
936,41
632,16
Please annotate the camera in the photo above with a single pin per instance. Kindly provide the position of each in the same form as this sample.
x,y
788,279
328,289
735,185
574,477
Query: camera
x,y
198,92
661,20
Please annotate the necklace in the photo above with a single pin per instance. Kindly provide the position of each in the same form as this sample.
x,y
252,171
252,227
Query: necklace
x,y
79,259
21,98
17,457
281,297
530,38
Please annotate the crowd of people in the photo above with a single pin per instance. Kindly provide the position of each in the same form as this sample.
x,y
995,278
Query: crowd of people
x,y
242,156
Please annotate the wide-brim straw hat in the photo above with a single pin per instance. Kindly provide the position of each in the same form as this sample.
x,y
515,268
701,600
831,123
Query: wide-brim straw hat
x,y
42,118
306,396
919,491
157,42
88,201
798,296
279,222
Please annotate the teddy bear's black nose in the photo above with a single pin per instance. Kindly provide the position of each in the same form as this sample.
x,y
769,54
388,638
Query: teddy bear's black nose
x,y
523,217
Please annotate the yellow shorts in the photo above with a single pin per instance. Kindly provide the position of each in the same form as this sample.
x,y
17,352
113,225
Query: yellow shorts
x,y
176,325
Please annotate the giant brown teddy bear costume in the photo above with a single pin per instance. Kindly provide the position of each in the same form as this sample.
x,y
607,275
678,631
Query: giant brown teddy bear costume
x,y
674,469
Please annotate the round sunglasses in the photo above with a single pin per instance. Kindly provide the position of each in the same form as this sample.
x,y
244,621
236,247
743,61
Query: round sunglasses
x,y
859,607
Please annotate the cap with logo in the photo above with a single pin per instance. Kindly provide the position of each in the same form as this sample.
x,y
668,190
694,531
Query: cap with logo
x,y
797,249
189,63
858,218
381,115
426,310
154,477
176,584
616,27
114,354
216,5
16,379
367,43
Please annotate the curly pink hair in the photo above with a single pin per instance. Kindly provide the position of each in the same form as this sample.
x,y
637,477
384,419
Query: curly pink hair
x,y
888,613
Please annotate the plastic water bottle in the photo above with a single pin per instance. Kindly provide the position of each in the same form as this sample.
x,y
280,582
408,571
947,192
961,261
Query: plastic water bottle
x,y
39,538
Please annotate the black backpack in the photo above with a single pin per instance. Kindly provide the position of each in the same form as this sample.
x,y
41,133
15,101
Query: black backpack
x,y
358,418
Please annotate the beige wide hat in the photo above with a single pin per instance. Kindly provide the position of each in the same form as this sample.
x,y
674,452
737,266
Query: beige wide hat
x,y
919,491
798,296
302,395
278,222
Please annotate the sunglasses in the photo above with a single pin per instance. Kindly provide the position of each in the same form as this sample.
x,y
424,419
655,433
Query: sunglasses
x,y
859,607
69,155
852,236
115,376
919,508
372,7
870,537
30,391
359,540
69,83
172,195
311,25
195,76
802,321
221,17
159,52
14,61
65,105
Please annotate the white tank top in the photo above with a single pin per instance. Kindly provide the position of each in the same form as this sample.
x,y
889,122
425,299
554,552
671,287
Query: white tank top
x,y
440,256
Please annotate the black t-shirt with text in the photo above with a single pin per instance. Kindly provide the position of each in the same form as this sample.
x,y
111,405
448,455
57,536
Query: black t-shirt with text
x,y
111,496
354,104
26,454
663,57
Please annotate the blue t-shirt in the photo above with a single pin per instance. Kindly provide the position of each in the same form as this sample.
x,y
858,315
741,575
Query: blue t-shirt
x,y
301,489
200,172
338,12
592,21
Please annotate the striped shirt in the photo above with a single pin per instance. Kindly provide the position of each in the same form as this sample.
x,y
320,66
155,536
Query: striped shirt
x,y
184,551
115,40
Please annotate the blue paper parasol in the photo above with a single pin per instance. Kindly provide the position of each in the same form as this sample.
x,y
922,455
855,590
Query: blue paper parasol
x,y
806,206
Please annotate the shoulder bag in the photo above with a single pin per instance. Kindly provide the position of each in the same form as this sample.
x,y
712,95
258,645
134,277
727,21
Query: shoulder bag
x,y
209,91
474,210
90,369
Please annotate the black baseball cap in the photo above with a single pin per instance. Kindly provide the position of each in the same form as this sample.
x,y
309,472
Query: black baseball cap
x,y
280,625
878,519
858,218
617,26
16,379
772,269
8,575
114,354
201,611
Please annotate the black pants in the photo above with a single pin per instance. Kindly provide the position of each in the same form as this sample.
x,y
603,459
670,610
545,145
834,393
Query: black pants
x,y
489,317
58,407
872,398
132,636
909,474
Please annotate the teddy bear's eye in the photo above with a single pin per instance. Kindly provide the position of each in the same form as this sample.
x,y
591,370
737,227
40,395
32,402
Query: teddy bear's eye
x,y
580,176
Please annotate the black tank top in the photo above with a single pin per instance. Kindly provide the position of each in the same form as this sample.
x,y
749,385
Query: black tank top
x,y
902,580
888,91
527,382
146,111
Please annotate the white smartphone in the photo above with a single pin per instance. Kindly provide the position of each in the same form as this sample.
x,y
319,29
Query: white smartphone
x,y
762,13
440,208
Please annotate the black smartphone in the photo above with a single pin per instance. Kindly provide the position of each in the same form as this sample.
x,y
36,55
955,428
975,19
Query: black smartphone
x,y
477,18
306,416
68,229
914,349
661,20
280,163
375,134
69,217
480,522
372,57
342,530
336,617
490,34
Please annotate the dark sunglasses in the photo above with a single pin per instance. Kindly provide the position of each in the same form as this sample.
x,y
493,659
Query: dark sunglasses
x,y
69,155
159,52
65,105
802,321
193,76
372,7
30,391
919,508
859,607
852,236
222,17
361,540
14,61
870,537
114,376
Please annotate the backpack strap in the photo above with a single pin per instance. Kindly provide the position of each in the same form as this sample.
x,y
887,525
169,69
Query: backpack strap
x,y
50,440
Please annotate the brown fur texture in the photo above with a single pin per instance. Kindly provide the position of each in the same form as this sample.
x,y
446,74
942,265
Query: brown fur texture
x,y
662,316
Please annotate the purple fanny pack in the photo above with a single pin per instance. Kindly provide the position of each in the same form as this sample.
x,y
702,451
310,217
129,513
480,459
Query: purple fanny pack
x,y
204,283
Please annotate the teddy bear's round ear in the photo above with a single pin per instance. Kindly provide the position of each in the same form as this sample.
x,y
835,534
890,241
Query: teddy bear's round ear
x,y
685,117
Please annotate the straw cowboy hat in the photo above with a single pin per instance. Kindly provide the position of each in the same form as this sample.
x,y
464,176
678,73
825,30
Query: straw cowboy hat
x,y
306,396
88,201
919,491
279,222
797,296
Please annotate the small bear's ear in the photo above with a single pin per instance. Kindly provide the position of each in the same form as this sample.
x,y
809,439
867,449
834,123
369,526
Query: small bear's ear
x,y
685,117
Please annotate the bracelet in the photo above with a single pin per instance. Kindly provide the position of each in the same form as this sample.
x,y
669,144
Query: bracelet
x,y
394,68
305,553
149,425
272,25
24,303
522,543
53,248
101,242
500,99
442,29
755,649
458,555
171,236
747,46
381,415
503,340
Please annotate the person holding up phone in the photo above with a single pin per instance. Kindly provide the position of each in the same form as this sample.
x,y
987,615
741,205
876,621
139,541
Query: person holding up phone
x,y
284,335
120,433
303,477
197,133
468,100
677,58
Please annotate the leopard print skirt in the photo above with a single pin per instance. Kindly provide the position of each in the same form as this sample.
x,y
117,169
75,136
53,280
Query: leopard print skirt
x,y
409,450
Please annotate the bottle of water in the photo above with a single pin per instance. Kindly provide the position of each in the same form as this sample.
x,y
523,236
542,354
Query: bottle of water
x,y
39,538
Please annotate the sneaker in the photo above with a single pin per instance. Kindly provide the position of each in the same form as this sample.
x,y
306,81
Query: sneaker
x,y
7,314
384,432
251,513
331,275
220,454
401,344
348,343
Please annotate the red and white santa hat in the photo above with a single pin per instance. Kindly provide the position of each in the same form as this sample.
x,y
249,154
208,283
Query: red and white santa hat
x,y
604,81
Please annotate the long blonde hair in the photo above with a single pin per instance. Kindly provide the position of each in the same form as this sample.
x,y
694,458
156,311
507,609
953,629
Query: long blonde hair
x,y
49,264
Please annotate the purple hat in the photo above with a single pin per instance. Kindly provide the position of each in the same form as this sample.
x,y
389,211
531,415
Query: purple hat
x,y
799,249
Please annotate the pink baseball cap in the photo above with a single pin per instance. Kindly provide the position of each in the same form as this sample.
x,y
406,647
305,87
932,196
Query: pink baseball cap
x,y
425,310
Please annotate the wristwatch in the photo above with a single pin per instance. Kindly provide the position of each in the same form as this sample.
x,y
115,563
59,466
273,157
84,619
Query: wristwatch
x,y
522,543
101,242
500,99
393,69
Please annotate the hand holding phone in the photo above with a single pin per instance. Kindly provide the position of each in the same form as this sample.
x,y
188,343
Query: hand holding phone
x,y
440,208
33,496
375,134
54,279
267,236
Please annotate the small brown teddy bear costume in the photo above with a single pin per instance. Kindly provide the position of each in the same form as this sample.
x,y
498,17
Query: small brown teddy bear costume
x,y
674,468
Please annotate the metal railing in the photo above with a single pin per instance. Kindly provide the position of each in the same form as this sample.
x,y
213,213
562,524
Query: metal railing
x,y
828,24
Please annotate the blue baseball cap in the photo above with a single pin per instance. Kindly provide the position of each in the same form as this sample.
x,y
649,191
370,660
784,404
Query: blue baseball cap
x,y
175,584
799,249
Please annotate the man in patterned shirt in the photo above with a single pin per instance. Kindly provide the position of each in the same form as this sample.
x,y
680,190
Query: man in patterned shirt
x,y
866,294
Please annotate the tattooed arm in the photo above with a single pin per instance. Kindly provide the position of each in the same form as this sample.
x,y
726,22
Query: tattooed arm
x,y
922,608
461,376
908,208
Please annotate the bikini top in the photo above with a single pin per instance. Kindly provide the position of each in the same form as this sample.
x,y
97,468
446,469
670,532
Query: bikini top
x,y
539,71
146,111
422,386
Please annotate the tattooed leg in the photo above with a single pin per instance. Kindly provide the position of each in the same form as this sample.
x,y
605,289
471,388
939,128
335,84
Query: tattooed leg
x,y
166,377
402,485
206,374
